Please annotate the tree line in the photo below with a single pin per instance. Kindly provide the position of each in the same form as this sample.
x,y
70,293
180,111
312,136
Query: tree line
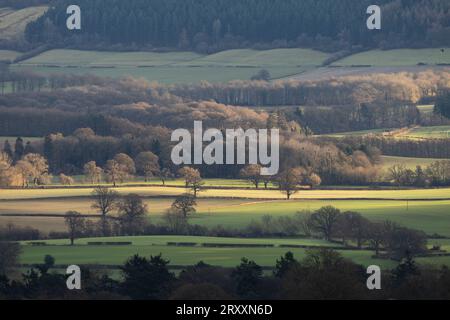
x,y
321,274
209,26
310,162
436,174
406,88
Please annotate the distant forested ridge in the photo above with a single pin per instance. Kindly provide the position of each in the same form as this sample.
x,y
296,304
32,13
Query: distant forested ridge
x,y
19,4
213,25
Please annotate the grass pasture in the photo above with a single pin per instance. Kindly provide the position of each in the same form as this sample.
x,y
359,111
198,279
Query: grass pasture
x,y
437,132
410,163
13,22
8,55
46,214
153,245
43,209
176,67
426,108
397,58
235,193
82,253
434,132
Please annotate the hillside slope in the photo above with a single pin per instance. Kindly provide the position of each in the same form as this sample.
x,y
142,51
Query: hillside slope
x,y
13,22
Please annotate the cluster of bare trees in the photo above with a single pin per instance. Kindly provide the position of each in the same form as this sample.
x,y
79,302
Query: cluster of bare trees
x,y
351,227
126,215
30,169
123,167
350,90
129,220
436,174
287,181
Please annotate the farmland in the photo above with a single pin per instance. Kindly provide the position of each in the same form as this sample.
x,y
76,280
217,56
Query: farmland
x,y
153,245
238,64
397,58
222,254
13,22
410,163
235,193
418,132
179,67
426,214
8,55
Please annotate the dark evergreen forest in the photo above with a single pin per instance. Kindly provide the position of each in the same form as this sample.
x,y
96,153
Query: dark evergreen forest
x,y
213,25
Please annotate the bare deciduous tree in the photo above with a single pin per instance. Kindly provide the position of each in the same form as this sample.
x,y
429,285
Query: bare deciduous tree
x,y
105,201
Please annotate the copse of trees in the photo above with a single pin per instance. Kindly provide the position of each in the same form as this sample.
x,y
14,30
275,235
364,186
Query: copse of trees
x,y
313,161
370,94
435,174
31,169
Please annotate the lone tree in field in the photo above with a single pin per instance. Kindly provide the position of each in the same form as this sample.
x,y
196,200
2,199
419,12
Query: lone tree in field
x,y
288,181
164,175
252,173
39,167
92,172
147,165
66,180
114,172
25,170
126,163
75,225
376,234
132,212
105,201
192,179
325,220
185,204
262,74
175,221
352,225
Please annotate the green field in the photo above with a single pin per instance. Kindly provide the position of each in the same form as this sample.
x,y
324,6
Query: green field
x,y
410,163
437,132
176,67
426,108
397,58
253,58
429,216
75,58
153,245
260,194
8,55
357,133
227,257
13,22
238,64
